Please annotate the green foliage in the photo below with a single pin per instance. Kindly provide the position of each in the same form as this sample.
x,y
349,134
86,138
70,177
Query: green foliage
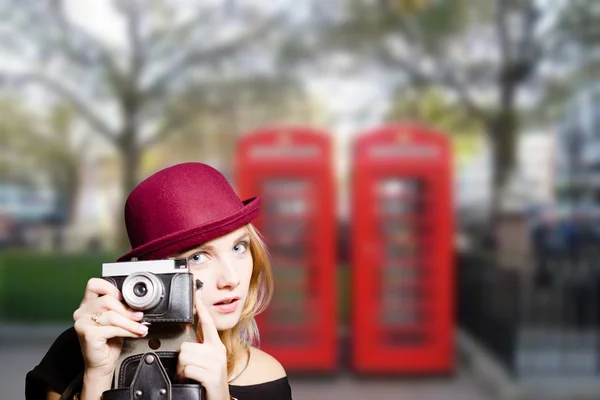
x,y
574,42
39,146
17,125
45,287
431,107
428,25
579,23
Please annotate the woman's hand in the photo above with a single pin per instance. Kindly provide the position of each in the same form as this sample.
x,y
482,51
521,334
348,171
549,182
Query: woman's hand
x,y
101,323
205,362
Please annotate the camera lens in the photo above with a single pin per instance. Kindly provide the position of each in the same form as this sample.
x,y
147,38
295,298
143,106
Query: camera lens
x,y
140,289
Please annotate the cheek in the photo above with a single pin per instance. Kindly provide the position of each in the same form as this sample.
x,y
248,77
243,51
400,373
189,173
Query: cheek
x,y
246,272
205,276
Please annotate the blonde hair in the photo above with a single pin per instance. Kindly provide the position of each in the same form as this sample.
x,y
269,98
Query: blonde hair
x,y
245,333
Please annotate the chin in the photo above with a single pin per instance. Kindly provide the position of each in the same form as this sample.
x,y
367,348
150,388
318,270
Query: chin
x,y
225,322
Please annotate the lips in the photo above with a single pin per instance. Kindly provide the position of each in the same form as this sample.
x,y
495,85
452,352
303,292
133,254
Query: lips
x,y
227,305
228,300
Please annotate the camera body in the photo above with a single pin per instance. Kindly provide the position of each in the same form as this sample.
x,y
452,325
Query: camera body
x,y
162,289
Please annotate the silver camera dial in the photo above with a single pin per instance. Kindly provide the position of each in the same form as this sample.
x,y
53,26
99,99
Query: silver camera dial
x,y
142,290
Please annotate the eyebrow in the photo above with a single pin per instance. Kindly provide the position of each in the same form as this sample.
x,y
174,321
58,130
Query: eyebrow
x,y
209,247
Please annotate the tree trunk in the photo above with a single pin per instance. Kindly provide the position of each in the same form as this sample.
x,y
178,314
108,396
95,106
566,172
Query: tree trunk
x,y
503,137
130,154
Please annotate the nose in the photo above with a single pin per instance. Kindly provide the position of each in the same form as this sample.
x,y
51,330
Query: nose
x,y
228,274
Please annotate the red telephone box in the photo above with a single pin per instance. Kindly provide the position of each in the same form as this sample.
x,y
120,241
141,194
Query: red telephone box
x,y
290,168
402,239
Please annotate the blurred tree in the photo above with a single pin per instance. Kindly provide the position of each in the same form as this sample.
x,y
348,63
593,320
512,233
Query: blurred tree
x,y
483,52
128,87
17,127
233,108
432,107
577,33
41,149
573,53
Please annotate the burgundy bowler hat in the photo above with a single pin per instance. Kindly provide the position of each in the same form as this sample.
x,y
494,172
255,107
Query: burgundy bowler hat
x,y
181,207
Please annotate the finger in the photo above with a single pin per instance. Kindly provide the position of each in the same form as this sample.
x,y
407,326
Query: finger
x,y
106,303
93,332
110,303
199,374
109,332
209,330
205,364
97,287
113,318
190,354
200,354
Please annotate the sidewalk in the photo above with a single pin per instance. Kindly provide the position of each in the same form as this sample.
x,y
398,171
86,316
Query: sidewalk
x,y
22,346
26,334
460,387
491,375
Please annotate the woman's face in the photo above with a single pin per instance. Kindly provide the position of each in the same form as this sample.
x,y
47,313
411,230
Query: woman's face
x,y
224,265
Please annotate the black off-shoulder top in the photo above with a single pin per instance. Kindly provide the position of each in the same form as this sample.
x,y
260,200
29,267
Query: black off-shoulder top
x,y
63,363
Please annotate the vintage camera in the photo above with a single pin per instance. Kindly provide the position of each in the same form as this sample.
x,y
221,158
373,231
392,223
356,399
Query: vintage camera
x,y
162,289
146,367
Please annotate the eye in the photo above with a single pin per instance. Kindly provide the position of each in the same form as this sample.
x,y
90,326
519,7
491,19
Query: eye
x,y
198,258
241,247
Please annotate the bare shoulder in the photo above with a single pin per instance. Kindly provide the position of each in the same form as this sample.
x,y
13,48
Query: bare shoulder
x,y
261,368
52,395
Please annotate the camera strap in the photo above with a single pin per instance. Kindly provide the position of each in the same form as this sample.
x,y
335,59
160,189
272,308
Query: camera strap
x,y
161,339
151,382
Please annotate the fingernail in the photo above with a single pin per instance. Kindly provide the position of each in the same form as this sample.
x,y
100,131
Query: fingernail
x,y
143,329
138,315
199,284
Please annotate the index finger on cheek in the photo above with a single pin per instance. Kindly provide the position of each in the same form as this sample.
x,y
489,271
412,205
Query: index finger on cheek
x,y
209,330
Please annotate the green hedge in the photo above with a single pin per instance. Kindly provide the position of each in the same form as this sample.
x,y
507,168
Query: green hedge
x,y
48,287
45,287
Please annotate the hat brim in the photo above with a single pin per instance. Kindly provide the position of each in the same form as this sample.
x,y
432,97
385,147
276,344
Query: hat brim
x,y
184,240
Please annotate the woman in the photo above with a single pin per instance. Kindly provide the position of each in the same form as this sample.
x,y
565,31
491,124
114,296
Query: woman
x,y
188,210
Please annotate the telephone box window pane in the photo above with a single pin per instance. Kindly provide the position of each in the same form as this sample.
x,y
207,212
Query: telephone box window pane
x,y
287,206
289,252
292,339
401,295
290,298
400,229
286,186
286,229
396,207
398,196
405,339
406,316
399,187
399,277
289,306
395,253
291,274
289,229
401,274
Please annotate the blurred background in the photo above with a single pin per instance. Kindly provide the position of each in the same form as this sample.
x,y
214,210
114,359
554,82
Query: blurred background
x,y
96,95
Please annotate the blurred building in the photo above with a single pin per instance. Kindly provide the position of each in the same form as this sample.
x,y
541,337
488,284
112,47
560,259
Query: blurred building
x,y
532,181
98,205
577,163
27,214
